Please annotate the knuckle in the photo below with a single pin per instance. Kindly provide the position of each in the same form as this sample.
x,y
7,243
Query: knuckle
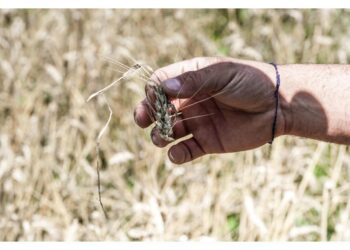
x,y
189,77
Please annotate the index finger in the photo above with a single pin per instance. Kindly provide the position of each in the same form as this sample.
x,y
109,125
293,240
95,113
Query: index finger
x,y
176,69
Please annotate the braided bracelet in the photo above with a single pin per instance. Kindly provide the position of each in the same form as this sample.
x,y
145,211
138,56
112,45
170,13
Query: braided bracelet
x,y
276,102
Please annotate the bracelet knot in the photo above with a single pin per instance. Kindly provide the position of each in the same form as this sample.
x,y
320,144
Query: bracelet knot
x,y
276,95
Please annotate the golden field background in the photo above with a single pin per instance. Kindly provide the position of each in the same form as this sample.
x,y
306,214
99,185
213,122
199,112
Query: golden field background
x,y
51,61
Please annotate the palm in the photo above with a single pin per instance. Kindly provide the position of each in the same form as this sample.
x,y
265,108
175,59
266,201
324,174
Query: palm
x,y
214,132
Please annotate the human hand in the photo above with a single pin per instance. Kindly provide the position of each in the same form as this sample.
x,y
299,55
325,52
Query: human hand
x,y
227,105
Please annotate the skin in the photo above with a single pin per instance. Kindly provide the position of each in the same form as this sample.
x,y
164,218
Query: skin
x,y
237,97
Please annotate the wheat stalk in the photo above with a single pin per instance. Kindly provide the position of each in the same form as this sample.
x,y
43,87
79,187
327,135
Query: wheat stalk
x,y
161,113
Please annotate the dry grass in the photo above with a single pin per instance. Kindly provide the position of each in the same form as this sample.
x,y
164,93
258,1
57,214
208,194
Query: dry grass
x,y
50,61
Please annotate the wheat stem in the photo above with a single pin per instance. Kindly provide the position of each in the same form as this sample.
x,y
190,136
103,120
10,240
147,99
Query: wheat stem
x,y
98,156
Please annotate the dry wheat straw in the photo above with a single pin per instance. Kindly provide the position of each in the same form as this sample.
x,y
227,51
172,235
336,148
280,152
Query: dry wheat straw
x,y
161,114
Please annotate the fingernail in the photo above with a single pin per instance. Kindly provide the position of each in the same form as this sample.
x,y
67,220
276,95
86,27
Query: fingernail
x,y
176,155
172,84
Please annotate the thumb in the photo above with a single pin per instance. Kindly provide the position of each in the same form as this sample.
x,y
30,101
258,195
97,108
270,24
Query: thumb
x,y
208,80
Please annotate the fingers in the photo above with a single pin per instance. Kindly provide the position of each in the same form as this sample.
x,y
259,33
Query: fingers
x,y
179,131
208,80
185,151
187,78
142,115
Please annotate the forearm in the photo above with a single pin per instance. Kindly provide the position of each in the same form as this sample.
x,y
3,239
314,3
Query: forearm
x,y
316,101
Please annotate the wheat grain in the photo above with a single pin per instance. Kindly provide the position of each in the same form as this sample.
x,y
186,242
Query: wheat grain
x,y
163,112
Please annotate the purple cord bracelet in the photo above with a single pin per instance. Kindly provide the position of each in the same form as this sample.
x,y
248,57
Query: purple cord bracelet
x,y
278,81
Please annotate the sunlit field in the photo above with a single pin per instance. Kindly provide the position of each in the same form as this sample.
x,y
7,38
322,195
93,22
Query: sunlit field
x,y
51,61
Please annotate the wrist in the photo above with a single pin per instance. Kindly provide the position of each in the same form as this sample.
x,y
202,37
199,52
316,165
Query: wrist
x,y
286,117
300,106
284,123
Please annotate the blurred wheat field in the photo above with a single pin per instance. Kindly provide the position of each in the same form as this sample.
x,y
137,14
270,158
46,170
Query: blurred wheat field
x,y
52,60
